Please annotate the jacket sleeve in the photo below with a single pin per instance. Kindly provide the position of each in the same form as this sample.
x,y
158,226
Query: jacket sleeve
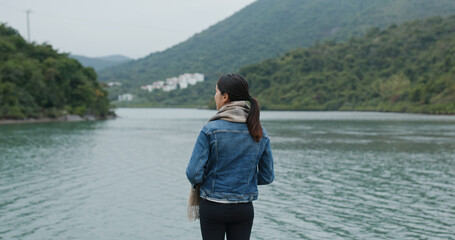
x,y
198,160
266,174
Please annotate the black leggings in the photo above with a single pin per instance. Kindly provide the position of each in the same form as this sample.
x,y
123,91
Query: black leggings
x,y
218,219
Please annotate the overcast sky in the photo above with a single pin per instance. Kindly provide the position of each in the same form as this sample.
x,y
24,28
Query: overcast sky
x,y
134,28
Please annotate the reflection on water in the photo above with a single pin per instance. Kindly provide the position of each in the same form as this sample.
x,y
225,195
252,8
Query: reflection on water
x,y
339,175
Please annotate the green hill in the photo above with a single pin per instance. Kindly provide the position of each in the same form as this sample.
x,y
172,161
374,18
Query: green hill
x,y
268,28
36,81
407,68
100,63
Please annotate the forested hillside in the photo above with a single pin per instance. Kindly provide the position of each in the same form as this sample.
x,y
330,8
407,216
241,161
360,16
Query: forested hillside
x,y
268,28
36,81
407,68
100,63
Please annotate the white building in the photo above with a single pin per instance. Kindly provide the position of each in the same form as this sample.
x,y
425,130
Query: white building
x,y
198,76
155,85
125,97
111,84
147,87
173,83
168,88
158,84
183,84
191,78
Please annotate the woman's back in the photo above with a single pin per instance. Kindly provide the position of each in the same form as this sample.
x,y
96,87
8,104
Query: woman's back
x,y
231,172
231,157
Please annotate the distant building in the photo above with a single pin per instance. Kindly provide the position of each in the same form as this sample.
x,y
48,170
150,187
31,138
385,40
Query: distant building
x,y
125,97
155,85
183,84
195,78
111,84
158,84
191,78
147,87
173,83
168,88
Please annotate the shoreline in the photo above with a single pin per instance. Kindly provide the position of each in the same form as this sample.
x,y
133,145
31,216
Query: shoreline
x,y
67,118
303,110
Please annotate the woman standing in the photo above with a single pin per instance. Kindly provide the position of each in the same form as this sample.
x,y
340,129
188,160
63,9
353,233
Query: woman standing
x,y
231,157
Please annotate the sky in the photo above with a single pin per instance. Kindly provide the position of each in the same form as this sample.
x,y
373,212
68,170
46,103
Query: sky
x,y
133,28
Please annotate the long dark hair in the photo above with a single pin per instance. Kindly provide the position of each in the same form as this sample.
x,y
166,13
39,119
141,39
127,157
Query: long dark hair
x,y
238,90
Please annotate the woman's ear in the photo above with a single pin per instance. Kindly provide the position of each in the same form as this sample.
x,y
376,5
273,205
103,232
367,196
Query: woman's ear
x,y
226,98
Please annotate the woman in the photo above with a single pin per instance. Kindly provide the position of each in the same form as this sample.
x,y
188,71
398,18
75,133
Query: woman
x,y
231,157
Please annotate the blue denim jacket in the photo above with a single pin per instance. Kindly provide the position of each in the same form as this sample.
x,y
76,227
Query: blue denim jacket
x,y
228,164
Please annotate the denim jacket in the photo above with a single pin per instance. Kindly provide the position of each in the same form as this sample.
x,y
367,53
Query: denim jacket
x,y
228,164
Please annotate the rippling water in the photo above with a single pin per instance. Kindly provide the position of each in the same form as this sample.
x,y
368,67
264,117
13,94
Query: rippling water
x,y
339,175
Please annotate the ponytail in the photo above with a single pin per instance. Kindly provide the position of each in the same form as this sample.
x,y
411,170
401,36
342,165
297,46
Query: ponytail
x,y
253,122
238,89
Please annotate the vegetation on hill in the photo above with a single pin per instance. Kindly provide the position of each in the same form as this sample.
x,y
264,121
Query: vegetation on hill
x,y
268,28
37,81
407,68
100,63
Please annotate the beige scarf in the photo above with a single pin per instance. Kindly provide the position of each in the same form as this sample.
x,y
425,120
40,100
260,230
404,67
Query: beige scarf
x,y
235,111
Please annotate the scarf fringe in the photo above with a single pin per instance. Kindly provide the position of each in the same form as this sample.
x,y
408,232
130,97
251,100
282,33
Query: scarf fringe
x,y
193,204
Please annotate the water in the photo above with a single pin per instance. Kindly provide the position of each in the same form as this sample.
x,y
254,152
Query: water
x,y
339,175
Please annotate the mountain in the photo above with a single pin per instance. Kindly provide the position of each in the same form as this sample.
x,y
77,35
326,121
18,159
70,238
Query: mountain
x,y
36,81
406,68
100,63
268,28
